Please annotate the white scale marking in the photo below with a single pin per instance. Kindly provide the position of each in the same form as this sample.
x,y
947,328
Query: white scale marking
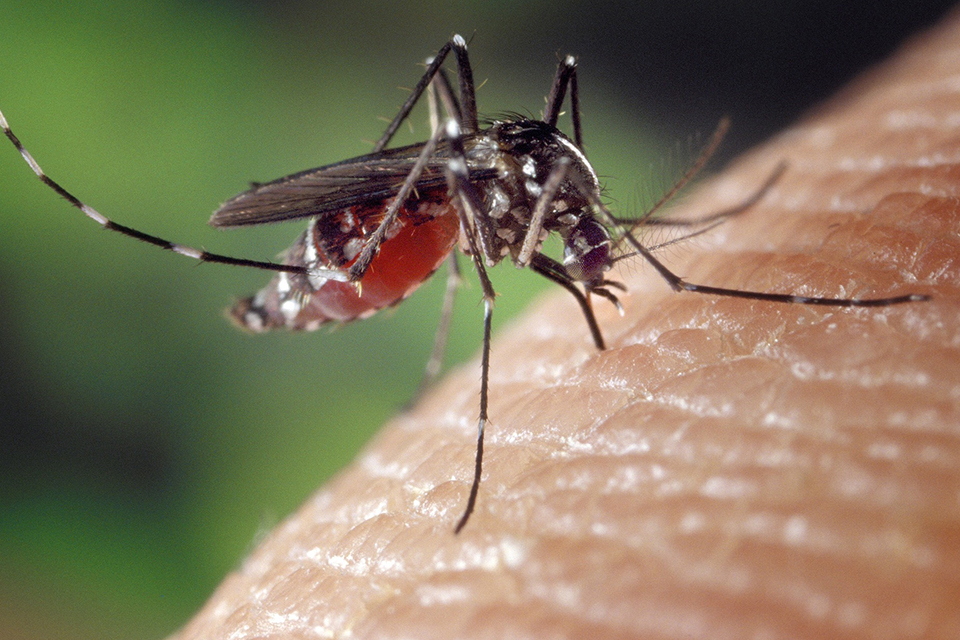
x,y
581,158
319,277
190,252
353,247
290,308
253,320
283,283
310,251
95,215
529,167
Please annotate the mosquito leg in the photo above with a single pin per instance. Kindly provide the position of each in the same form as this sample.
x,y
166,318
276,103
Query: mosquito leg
x,y
575,111
554,271
454,279
463,205
476,219
566,76
677,240
679,284
482,421
720,216
372,244
432,107
468,111
705,155
469,208
469,121
713,220
106,223
411,100
440,92
550,187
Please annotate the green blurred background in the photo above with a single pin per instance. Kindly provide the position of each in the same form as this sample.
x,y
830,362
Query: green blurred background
x,y
145,444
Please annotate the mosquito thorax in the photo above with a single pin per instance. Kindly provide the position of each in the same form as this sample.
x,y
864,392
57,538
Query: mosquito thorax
x,y
526,153
532,149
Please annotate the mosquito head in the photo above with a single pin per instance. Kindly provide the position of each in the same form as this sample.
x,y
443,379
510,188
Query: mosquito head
x,y
586,252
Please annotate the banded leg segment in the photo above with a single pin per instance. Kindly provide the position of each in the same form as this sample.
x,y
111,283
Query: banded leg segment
x,y
106,223
472,224
679,284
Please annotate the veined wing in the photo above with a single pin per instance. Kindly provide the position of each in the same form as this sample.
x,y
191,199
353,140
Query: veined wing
x,y
362,180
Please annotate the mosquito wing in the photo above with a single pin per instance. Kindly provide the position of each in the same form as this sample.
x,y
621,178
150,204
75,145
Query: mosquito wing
x,y
358,181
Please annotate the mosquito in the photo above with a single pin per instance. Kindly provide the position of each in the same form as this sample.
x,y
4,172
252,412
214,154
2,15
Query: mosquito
x,y
380,224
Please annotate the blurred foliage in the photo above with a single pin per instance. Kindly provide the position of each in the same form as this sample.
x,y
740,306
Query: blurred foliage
x,y
145,442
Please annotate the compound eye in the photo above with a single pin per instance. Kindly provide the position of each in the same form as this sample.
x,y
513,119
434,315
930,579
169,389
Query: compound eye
x,y
586,255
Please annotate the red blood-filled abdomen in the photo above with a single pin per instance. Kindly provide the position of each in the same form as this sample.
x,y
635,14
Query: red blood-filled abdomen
x,y
423,236
402,264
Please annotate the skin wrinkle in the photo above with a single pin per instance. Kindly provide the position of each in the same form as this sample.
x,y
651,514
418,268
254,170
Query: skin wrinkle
x,y
726,469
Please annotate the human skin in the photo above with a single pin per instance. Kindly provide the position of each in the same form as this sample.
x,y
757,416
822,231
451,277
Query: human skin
x,y
725,469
